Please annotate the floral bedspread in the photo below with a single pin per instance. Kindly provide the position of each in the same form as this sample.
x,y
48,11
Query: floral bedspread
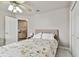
x,y
30,48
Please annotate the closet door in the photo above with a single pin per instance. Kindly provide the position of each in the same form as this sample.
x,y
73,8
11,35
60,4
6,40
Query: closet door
x,y
11,30
73,17
75,30
77,36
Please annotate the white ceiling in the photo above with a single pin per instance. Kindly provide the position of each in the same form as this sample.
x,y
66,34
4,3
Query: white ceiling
x,y
43,6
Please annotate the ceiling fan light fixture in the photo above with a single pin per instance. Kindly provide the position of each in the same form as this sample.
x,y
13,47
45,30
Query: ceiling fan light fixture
x,y
10,8
19,10
14,11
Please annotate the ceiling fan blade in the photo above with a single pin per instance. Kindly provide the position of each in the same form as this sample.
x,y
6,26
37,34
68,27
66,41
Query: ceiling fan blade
x,y
26,7
20,2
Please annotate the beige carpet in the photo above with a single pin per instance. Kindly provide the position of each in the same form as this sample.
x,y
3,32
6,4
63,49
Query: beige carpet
x,y
63,53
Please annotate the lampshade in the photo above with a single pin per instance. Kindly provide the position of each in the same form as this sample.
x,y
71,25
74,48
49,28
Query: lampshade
x,y
18,9
14,9
10,8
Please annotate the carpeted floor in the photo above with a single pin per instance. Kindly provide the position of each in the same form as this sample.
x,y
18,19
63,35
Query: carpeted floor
x,y
63,53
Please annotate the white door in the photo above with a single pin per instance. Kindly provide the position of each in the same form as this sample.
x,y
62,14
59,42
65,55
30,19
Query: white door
x,y
75,30
11,30
77,36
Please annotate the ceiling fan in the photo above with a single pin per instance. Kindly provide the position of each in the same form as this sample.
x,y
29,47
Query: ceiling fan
x,y
19,6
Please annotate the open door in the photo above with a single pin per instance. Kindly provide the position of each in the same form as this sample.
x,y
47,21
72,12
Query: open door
x,y
11,30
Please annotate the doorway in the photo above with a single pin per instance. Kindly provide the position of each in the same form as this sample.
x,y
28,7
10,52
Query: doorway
x,y
22,29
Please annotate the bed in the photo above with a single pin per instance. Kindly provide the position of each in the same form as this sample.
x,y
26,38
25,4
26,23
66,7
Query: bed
x,y
33,47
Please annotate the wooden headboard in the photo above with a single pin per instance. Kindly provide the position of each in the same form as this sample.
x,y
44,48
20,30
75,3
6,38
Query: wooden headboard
x,y
55,31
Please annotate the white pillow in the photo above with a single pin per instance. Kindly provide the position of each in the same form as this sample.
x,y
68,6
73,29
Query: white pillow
x,y
48,36
38,35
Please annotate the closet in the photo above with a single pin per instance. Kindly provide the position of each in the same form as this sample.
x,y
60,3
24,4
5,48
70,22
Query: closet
x,y
75,30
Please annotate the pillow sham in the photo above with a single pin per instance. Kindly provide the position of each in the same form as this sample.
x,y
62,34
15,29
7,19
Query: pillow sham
x,y
38,35
48,36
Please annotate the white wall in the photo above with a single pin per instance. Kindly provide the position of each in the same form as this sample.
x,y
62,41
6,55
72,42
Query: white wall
x,y
58,19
